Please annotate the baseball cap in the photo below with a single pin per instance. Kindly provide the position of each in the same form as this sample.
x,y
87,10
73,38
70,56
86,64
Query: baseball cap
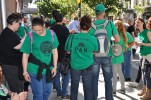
x,y
99,8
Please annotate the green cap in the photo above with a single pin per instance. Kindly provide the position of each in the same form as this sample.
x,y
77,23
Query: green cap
x,y
99,8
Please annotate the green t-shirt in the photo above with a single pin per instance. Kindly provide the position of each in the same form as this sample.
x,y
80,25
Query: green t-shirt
x,y
110,28
144,50
22,31
52,22
119,59
83,46
130,39
41,48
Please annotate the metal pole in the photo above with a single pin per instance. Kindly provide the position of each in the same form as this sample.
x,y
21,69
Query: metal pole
x,y
3,8
79,9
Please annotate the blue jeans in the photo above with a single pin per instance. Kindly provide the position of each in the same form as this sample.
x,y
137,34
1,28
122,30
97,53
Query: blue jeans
x,y
40,89
61,90
147,80
87,83
126,65
105,63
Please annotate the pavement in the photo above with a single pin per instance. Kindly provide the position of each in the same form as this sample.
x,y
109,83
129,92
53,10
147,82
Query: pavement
x,y
131,93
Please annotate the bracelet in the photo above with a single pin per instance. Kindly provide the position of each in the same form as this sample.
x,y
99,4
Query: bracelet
x,y
25,73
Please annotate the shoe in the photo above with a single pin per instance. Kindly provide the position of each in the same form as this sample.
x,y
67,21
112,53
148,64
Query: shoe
x,y
133,84
67,97
147,95
143,91
54,90
114,93
122,91
58,96
127,79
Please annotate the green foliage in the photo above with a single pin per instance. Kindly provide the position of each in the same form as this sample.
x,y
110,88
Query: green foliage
x,y
113,6
139,10
66,7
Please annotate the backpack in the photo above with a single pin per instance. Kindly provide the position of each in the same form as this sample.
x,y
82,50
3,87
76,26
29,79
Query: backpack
x,y
104,41
31,37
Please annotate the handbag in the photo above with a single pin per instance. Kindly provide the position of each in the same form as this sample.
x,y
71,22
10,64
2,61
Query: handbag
x,y
65,66
117,49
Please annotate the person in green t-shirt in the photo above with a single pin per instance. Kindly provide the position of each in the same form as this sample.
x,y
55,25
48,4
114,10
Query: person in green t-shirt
x,y
104,62
144,42
39,50
82,46
127,57
118,60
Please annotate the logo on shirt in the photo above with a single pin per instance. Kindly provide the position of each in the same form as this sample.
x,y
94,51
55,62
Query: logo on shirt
x,y
46,47
81,47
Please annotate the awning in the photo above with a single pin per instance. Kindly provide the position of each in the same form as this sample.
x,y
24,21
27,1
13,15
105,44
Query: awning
x,y
30,10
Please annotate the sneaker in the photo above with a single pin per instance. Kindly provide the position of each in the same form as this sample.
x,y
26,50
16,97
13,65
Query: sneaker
x,y
133,84
67,97
122,91
114,93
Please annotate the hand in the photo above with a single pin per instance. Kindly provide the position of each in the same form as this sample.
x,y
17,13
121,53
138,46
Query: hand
x,y
27,77
140,44
22,40
23,95
73,31
125,50
14,96
54,71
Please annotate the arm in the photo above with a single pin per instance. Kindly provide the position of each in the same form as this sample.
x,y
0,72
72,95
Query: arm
x,y
19,45
116,38
133,34
55,60
131,44
24,63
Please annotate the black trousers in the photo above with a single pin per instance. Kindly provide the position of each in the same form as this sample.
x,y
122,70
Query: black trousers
x,y
12,75
139,75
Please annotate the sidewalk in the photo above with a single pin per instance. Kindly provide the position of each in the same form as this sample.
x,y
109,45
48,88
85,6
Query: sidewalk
x,y
131,93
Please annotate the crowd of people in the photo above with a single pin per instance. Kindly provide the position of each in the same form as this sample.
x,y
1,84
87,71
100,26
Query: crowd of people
x,y
33,55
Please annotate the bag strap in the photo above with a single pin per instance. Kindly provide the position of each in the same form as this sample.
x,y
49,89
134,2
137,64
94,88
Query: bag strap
x,y
31,40
94,26
72,41
104,24
52,33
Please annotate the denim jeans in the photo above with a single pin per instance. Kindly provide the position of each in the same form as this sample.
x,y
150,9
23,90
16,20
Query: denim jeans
x,y
147,80
126,65
61,90
105,63
87,83
40,89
